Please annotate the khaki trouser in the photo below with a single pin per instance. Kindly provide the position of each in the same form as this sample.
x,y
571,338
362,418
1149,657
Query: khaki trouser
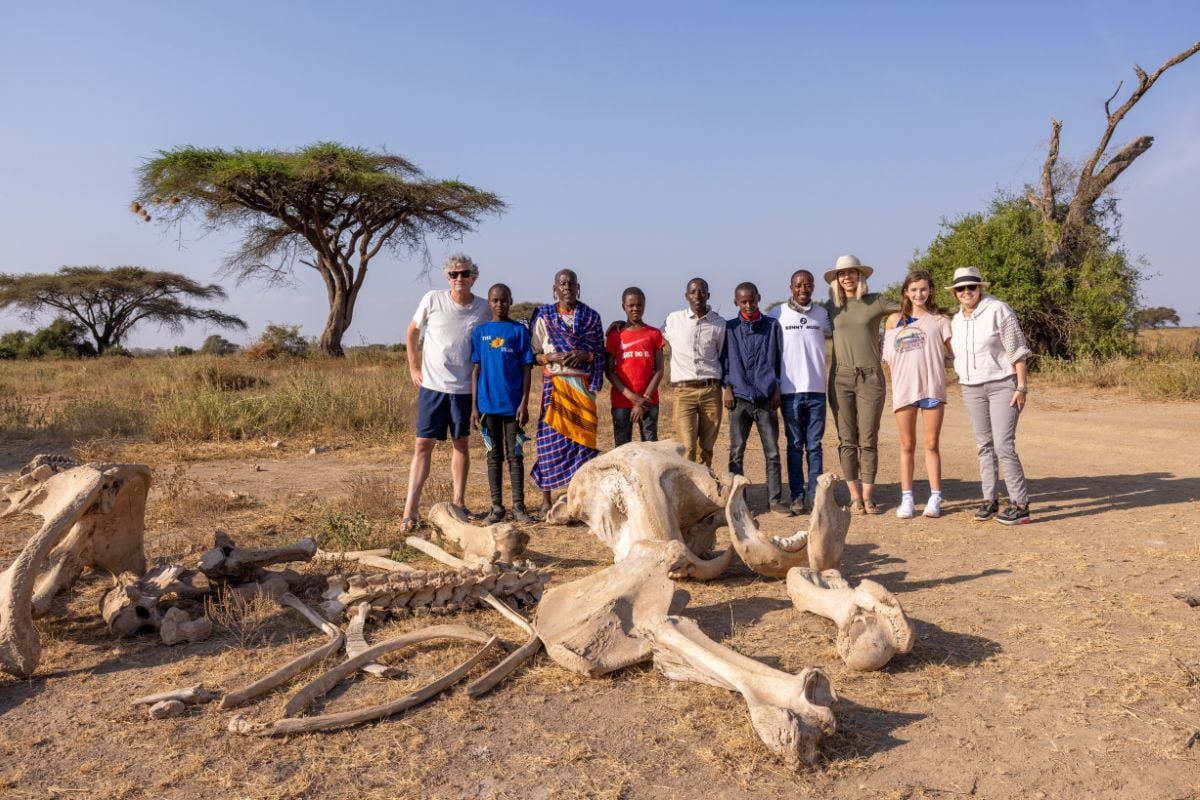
x,y
856,397
697,417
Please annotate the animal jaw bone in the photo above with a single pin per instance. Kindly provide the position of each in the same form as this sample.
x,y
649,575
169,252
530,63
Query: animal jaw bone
x,y
649,491
871,624
480,545
773,557
825,539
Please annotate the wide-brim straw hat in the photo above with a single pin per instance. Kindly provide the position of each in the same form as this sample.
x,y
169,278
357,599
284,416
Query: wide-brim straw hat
x,y
848,262
967,276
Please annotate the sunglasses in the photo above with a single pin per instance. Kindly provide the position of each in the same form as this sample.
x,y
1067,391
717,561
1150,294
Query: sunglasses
x,y
466,273
974,287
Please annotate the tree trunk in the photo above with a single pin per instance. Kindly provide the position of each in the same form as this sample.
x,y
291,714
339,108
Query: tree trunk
x,y
341,310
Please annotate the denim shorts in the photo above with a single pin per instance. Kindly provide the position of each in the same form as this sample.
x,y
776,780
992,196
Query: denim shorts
x,y
438,412
927,403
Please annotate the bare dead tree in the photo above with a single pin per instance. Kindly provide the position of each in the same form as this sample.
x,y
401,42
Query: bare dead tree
x,y
1065,223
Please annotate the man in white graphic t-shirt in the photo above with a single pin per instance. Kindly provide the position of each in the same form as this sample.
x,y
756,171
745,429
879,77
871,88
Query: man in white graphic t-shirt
x,y
802,386
440,366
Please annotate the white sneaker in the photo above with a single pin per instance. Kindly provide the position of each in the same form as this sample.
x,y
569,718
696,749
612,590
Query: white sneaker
x,y
934,507
906,509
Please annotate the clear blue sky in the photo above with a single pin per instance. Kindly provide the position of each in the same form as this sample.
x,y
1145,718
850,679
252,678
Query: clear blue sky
x,y
639,143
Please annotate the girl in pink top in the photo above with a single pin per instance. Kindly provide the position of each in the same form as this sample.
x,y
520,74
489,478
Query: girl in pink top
x,y
916,344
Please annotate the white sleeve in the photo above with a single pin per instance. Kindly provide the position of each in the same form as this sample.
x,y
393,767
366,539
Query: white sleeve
x,y
423,308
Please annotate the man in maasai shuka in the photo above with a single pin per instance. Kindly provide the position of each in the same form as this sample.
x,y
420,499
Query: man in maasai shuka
x,y
568,342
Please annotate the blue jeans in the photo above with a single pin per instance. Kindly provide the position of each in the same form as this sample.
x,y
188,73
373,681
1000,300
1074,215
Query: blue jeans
x,y
804,426
623,425
759,413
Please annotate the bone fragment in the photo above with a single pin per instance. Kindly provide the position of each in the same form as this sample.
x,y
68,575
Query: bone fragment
x,y
178,627
649,491
480,544
325,682
871,625
166,709
356,643
790,713
192,695
227,562
825,538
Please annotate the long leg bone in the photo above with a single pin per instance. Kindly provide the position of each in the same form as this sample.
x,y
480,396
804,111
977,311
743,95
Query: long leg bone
x,y
480,545
327,681
790,712
871,624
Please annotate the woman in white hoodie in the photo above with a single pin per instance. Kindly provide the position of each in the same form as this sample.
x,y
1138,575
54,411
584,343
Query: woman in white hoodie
x,y
990,356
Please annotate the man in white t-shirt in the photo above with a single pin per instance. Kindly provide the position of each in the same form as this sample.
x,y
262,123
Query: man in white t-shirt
x,y
802,386
442,373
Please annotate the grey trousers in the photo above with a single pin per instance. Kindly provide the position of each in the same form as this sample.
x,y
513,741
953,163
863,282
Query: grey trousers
x,y
994,421
856,400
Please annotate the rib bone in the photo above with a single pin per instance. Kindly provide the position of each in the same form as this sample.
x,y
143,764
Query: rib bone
x,y
871,624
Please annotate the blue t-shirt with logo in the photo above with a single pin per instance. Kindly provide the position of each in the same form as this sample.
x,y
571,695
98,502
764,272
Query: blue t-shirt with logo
x,y
501,349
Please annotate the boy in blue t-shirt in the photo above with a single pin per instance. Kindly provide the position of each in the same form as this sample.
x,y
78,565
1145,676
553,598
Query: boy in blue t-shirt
x,y
502,355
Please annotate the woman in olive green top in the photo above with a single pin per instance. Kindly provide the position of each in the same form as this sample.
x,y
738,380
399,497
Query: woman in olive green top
x,y
856,384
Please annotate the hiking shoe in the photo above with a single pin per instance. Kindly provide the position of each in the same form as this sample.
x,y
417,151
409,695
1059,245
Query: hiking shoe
x,y
1013,515
798,507
987,510
907,508
496,515
520,514
933,508
780,507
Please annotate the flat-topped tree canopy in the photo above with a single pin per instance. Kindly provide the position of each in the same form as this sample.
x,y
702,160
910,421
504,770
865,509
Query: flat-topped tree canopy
x,y
327,206
110,302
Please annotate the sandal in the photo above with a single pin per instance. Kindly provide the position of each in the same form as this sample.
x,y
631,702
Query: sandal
x,y
871,507
856,507
409,525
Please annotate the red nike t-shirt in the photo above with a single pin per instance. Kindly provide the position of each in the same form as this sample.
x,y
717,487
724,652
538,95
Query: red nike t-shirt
x,y
633,353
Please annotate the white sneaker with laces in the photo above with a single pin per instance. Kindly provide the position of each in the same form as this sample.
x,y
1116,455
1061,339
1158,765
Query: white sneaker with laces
x,y
907,509
934,507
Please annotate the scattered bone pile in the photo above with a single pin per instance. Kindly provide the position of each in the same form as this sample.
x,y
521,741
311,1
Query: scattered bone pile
x,y
399,595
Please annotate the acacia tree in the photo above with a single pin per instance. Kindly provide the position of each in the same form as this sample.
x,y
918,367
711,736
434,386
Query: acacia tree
x,y
328,206
110,302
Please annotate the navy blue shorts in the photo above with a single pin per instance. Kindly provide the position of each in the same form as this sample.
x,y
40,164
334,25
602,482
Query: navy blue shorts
x,y
438,411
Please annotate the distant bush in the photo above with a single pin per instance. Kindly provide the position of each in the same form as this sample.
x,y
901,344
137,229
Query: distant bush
x,y
218,346
182,350
280,341
60,339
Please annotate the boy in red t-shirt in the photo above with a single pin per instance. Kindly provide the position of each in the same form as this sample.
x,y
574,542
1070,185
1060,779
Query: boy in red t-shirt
x,y
634,367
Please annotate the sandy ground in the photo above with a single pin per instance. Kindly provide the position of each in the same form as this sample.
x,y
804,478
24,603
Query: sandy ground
x,y
1053,660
